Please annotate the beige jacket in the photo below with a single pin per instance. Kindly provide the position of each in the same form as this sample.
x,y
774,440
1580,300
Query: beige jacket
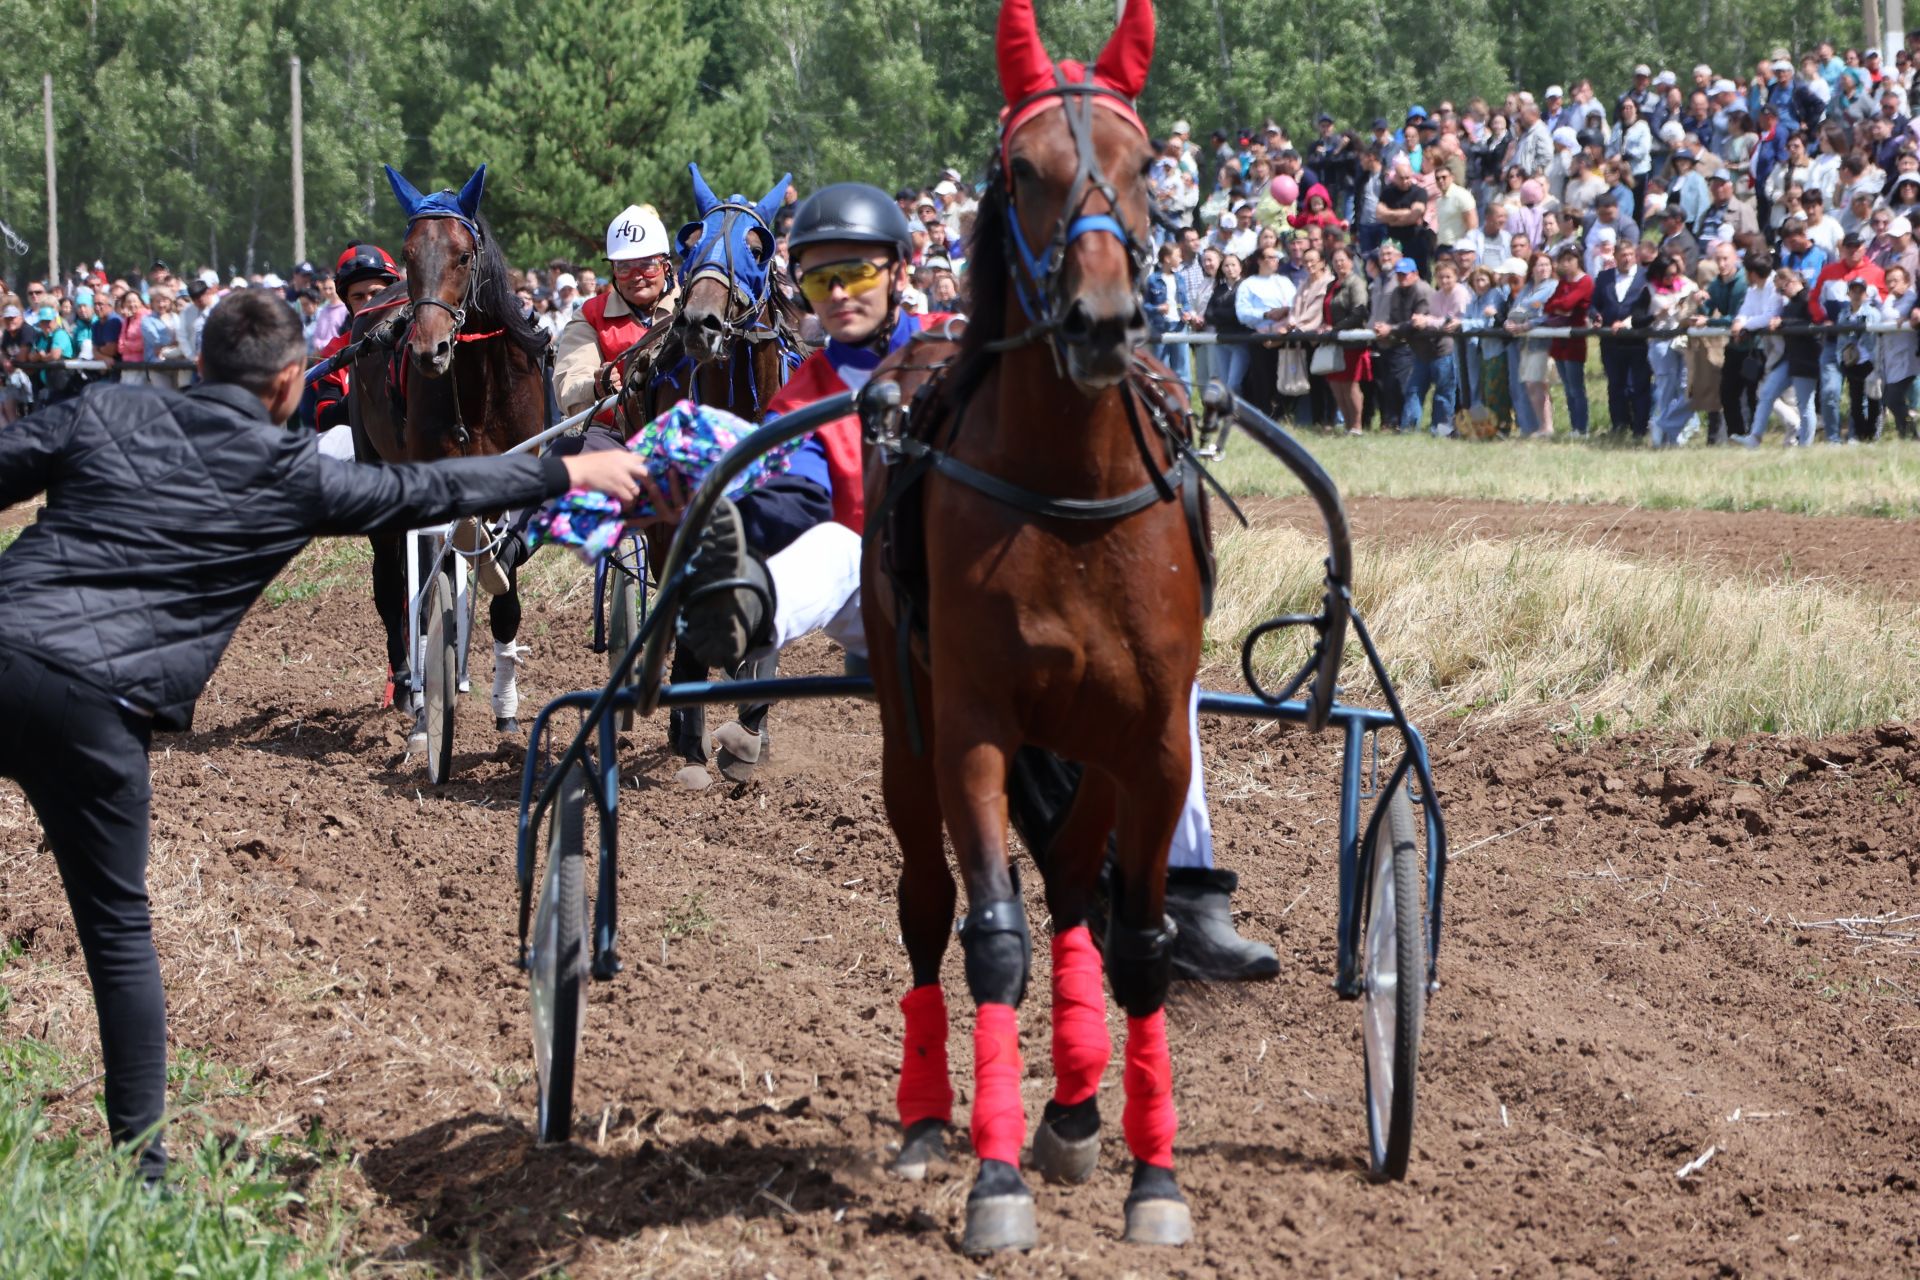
x,y
577,355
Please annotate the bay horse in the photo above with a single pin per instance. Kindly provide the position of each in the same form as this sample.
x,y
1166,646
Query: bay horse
x,y
733,341
1033,578
470,381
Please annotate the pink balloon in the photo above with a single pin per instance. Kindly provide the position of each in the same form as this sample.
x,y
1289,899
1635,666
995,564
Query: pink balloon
x,y
1284,189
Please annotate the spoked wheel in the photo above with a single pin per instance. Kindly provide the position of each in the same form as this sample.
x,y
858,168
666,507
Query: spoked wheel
x,y
625,592
1395,1000
441,686
557,959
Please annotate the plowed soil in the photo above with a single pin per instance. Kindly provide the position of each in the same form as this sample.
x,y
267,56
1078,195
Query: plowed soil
x,y
1637,972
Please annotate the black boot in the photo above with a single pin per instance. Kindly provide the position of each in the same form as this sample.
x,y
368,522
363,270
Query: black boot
x,y
1199,901
721,624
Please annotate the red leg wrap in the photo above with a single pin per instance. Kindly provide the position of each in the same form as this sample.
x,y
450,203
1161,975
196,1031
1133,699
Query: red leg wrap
x,y
1149,1120
999,1117
925,1092
1081,1046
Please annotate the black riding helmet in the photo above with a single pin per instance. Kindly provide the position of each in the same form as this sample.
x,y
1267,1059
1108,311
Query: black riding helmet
x,y
850,211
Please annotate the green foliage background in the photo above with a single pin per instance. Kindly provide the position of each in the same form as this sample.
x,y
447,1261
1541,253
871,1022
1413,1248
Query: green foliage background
x,y
172,119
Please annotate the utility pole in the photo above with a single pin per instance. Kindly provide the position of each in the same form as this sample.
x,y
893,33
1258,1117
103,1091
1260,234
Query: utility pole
x,y
1870,24
53,198
1896,32
299,175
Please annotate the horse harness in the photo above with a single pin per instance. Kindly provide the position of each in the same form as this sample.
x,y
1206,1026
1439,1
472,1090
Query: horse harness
x,y
918,438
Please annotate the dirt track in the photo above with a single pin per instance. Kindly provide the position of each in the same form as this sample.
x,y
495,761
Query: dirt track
x,y
1624,987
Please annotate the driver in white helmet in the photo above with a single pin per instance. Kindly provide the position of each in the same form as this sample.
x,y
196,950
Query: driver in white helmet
x,y
600,331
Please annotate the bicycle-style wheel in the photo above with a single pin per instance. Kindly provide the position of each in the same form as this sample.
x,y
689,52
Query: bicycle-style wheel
x,y
1395,994
557,960
441,685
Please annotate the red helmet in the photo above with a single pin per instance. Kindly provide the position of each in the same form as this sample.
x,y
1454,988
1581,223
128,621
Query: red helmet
x,y
361,261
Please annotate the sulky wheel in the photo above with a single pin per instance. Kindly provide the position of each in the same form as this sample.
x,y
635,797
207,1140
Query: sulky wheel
x,y
1395,988
557,959
441,683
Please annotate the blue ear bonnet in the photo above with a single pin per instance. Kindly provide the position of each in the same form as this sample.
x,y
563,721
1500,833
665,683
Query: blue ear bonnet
x,y
735,238
463,206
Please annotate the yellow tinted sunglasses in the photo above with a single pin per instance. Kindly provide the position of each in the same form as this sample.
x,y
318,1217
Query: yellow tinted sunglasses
x,y
855,277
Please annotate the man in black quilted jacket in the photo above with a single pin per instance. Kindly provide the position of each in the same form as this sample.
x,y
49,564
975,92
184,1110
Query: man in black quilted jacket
x,y
166,516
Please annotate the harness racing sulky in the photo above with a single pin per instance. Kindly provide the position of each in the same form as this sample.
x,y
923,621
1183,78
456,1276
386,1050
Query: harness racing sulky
x,y
1034,570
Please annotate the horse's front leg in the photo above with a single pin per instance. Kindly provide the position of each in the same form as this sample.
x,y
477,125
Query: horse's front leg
x,y
1140,967
971,759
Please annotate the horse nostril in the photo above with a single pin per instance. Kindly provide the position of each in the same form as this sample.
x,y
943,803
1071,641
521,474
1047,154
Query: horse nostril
x,y
710,322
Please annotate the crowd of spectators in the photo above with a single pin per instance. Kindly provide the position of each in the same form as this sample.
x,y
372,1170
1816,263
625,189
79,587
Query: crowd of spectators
x,y
127,321
1704,214
1690,231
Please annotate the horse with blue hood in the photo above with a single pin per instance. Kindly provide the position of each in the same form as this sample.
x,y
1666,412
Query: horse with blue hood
x,y
732,345
464,375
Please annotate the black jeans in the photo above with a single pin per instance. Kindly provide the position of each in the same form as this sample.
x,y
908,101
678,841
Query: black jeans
x,y
1737,395
82,761
1897,398
1629,385
1392,377
1863,409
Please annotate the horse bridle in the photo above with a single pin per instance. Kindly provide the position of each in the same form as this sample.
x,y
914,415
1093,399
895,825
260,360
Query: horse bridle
x,y
1036,276
730,328
458,313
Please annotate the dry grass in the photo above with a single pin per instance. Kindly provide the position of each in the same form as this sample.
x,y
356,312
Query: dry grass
x,y
1871,480
1547,623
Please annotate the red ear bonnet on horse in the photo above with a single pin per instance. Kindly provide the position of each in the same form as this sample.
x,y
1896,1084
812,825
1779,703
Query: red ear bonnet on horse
x,y
1026,68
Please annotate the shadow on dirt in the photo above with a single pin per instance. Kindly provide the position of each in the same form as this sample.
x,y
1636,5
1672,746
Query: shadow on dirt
x,y
481,1191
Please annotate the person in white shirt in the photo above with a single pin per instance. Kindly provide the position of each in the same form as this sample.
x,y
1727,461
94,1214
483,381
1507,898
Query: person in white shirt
x,y
1246,236
1264,302
1763,303
1821,229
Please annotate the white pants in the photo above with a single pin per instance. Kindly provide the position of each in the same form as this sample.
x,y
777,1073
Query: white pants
x,y
816,587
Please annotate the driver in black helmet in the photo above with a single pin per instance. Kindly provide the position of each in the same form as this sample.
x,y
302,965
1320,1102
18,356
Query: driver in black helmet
x,y
850,247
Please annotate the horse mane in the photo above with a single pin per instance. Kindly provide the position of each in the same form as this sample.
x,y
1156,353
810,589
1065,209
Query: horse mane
x,y
989,279
495,299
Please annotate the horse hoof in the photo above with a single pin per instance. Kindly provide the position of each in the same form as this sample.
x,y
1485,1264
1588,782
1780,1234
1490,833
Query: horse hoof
x,y
998,1223
1167,1222
1069,1160
507,724
923,1147
694,778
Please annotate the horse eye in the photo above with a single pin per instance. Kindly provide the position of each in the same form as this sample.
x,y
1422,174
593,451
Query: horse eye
x,y
1023,171
465,258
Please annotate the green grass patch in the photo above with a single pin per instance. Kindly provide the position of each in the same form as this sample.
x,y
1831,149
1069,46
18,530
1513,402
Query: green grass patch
x,y
1596,642
325,564
1881,480
6,537
230,1207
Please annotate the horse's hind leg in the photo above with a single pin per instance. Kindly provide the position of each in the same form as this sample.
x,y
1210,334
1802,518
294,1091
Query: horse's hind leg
x,y
390,602
503,619
1066,1142
927,898
1140,966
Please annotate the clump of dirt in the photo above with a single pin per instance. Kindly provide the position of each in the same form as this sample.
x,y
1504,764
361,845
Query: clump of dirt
x,y
1637,969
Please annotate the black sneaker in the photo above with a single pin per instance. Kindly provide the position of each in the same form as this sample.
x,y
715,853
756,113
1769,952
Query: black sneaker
x,y
720,624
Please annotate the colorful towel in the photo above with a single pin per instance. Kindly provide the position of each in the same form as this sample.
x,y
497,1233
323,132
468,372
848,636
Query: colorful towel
x,y
687,440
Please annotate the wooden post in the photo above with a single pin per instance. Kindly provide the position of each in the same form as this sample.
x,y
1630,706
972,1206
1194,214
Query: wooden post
x,y
299,175
53,198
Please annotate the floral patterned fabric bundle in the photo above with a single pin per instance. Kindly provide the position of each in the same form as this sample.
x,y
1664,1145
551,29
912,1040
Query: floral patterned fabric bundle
x,y
687,440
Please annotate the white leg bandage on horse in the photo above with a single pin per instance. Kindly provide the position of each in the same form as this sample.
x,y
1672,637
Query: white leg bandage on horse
x,y
1193,838
816,587
506,669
